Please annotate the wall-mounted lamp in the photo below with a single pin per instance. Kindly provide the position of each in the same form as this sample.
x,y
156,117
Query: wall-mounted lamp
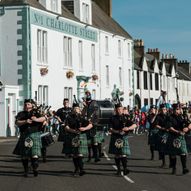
x,y
87,25
58,17
1,85
113,35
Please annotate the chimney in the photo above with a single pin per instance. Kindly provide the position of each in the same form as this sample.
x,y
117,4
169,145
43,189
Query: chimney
x,y
154,52
105,5
170,59
184,64
139,46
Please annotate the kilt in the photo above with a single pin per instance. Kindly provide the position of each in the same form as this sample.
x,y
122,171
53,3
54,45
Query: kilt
x,y
23,151
188,141
152,138
69,147
176,145
62,134
125,150
161,142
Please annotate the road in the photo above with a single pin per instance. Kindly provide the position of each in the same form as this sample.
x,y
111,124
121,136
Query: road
x,y
56,173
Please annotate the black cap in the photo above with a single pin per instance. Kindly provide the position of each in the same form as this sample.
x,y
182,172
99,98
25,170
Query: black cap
x,y
153,107
29,101
162,106
75,105
118,105
176,106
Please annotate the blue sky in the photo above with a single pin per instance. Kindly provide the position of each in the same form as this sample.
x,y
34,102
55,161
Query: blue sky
x,y
163,24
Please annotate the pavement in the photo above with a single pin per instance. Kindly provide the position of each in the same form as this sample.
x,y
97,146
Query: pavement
x,y
7,139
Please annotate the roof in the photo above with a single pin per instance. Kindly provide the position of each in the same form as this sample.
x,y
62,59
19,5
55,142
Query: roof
x,y
183,74
34,3
102,21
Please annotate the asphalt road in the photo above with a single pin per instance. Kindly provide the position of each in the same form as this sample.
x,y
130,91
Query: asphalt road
x,y
56,173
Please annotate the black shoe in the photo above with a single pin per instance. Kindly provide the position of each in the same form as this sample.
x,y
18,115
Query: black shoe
x,y
118,172
173,171
97,160
185,171
82,172
89,159
125,171
35,172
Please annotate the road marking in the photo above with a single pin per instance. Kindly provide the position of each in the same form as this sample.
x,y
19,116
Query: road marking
x,y
126,177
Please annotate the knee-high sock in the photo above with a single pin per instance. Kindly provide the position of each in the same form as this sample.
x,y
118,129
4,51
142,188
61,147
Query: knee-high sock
x,y
173,162
34,163
25,164
124,162
95,151
183,159
75,161
80,163
117,162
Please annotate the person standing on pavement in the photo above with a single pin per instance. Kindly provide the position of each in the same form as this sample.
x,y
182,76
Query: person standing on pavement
x,y
29,144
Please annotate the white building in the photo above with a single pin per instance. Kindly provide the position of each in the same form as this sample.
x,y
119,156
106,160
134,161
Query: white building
x,y
153,74
51,49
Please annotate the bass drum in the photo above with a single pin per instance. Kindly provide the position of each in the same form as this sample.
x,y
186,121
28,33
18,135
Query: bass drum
x,y
105,111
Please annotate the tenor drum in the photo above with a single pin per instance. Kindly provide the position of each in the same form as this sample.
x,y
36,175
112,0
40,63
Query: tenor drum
x,y
46,139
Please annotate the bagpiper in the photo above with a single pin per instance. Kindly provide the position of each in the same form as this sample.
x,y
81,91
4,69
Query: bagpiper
x,y
76,142
119,145
176,141
162,134
29,144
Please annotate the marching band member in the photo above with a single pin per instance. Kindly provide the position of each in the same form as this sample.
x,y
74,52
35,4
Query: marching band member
x,y
76,142
119,146
29,144
61,115
162,135
152,130
176,141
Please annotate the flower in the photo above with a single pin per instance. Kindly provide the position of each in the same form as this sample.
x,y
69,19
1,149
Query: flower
x,y
43,71
69,74
94,77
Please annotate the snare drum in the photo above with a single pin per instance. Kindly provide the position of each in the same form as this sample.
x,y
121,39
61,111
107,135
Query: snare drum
x,y
46,139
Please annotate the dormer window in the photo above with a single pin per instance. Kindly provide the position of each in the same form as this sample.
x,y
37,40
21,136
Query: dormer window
x,y
85,12
54,5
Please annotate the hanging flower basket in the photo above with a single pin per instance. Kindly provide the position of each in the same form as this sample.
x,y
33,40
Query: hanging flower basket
x,y
94,77
69,74
43,71
130,93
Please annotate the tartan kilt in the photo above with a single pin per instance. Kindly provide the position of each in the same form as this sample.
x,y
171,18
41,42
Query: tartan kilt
x,y
69,148
125,150
188,141
162,138
152,138
176,145
23,151
99,137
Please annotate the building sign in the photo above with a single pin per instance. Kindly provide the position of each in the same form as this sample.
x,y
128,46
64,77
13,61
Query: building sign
x,y
62,25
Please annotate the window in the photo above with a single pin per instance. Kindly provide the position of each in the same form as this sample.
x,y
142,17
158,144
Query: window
x,y
80,47
151,101
54,5
138,79
67,51
119,48
120,76
145,101
151,82
93,57
94,94
68,93
43,94
107,75
129,50
106,45
85,12
42,46
129,71
156,81
145,80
